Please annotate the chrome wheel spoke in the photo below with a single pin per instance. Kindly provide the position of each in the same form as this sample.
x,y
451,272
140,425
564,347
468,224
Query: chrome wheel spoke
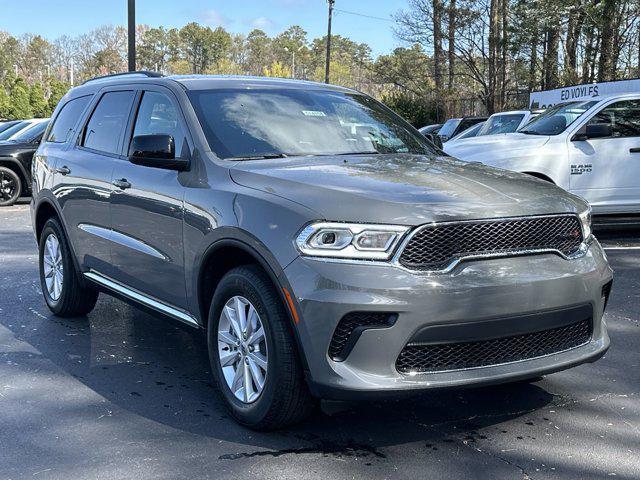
x,y
242,349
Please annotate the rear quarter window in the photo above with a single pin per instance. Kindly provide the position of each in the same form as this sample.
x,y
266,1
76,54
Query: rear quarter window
x,y
67,119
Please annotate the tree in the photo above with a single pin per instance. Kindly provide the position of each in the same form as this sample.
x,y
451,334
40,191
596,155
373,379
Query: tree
x,y
37,102
19,106
58,90
277,69
4,103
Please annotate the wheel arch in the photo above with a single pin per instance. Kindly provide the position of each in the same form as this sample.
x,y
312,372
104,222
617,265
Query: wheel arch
x,y
17,167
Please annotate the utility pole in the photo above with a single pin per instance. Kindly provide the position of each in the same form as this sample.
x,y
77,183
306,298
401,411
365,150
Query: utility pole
x,y
131,35
328,61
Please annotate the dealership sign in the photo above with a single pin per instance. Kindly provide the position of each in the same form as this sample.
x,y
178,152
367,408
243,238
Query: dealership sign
x,y
588,91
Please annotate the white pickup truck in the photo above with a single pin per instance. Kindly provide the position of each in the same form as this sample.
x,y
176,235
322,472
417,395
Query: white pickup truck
x,y
589,147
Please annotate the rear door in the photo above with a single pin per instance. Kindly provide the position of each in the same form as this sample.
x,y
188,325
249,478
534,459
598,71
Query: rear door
x,y
83,177
147,208
606,171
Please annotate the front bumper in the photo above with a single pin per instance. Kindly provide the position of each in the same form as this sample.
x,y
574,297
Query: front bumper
x,y
473,291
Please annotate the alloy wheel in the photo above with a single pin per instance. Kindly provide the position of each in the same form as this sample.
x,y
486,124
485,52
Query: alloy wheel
x,y
53,267
242,349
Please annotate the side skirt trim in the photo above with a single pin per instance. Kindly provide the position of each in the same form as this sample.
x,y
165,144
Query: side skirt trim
x,y
143,299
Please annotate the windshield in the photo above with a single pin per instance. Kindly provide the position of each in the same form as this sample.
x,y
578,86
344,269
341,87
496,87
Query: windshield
x,y
449,127
13,130
501,124
31,133
257,123
555,120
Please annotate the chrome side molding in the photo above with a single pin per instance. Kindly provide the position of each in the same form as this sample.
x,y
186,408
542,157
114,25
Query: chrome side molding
x,y
143,299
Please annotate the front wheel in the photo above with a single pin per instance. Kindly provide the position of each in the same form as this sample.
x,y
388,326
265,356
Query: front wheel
x,y
253,354
10,187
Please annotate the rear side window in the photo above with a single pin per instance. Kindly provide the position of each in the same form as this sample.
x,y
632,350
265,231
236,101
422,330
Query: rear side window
x,y
67,119
106,125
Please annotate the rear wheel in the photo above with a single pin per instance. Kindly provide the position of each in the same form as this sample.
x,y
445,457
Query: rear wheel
x,y
10,187
61,287
253,354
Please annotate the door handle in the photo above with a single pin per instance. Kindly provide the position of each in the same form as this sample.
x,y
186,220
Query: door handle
x,y
122,184
634,150
63,170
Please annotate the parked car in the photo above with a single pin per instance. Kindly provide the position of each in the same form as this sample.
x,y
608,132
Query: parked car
x,y
590,148
15,162
321,263
454,126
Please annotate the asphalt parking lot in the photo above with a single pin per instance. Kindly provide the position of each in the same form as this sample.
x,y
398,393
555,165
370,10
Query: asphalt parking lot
x,y
122,394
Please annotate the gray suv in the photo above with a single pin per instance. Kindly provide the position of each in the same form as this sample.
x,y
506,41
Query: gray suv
x,y
325,247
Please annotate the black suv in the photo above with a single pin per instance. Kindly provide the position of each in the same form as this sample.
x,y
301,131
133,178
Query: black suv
x,y
15,163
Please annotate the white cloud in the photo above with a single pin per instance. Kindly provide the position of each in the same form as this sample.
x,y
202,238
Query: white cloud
x,y
262,23
215,18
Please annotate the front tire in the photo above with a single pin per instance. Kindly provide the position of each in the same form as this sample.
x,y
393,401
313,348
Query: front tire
x,y
61,287
253,354
10,187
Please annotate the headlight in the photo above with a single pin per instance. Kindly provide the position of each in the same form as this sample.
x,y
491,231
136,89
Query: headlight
x,y
350,240
585,219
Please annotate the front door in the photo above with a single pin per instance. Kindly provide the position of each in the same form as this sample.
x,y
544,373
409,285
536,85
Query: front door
x,y
147,208
606,171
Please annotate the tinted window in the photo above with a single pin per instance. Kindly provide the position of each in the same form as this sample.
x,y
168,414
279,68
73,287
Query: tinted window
x,y
107,123
624,118
555,120
6,125
449,127
66,119
243,123
31,134
13,130
158,115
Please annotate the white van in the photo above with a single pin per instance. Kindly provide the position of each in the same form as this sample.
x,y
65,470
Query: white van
x,y
589,147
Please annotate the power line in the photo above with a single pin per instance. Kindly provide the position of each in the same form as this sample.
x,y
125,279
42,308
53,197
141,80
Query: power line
x,y
365,16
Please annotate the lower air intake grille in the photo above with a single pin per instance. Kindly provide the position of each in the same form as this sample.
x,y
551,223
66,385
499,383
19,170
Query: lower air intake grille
x,y
458,356
351,326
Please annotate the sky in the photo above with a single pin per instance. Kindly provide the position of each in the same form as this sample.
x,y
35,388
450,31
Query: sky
x,y
54,18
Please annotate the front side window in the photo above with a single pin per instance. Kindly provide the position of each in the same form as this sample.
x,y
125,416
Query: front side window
x,y
104,130
624,118
245,124
501,124
555,120
67,119
158,115
31,134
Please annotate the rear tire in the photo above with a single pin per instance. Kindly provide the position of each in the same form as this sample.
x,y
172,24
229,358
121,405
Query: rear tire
x,y
65,295
284,397
10,187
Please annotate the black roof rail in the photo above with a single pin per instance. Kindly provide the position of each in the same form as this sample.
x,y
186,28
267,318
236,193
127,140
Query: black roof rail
x,y
146,73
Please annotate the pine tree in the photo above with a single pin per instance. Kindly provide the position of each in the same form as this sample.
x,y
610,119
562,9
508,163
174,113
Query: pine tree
x,y
39,105
19,107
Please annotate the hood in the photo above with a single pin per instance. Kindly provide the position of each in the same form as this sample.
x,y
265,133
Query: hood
x,y
402,189
8,147
467,148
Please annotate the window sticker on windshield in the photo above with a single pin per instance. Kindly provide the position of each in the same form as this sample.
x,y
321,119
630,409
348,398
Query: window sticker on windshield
x,y
313,113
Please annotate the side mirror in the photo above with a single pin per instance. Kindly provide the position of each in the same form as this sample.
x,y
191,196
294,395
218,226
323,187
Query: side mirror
x,y
593,130
158,151
434,138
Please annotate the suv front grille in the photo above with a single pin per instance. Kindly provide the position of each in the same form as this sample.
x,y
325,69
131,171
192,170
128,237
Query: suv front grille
x,y
435,247
424,358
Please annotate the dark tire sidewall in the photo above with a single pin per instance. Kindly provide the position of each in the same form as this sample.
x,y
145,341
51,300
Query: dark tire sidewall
x,y
14,199
238,284
52,227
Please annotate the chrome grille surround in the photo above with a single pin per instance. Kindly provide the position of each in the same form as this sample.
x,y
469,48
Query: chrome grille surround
x,y
578,248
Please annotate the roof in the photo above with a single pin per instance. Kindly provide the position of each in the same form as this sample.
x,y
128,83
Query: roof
x,y
206,82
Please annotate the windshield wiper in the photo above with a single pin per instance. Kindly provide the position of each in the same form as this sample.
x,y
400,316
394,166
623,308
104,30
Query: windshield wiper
x,y
259,157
